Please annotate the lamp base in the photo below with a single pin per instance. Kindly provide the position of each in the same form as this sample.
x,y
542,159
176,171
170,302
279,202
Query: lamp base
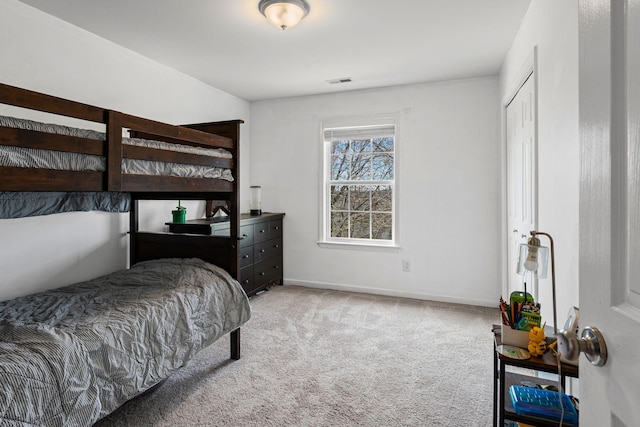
x,y
255,212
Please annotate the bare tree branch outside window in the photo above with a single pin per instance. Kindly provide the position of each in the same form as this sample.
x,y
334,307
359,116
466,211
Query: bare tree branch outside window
x,y
361,188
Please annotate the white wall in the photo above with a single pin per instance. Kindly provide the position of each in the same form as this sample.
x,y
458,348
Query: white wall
x,y
552,25
449,186
44,54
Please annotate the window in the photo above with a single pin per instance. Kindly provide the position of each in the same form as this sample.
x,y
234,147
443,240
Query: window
x,y
359,194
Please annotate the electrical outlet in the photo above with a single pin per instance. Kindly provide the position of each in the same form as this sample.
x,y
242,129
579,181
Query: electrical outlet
x,y
406,265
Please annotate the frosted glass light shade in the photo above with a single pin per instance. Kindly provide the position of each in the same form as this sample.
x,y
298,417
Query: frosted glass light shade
x,y
284,13
255,200
533,258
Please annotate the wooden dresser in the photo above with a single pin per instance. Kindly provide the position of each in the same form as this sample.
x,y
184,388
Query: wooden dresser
x,y
260,247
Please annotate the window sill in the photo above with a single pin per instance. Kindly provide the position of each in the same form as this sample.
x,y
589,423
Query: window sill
x,y
359,246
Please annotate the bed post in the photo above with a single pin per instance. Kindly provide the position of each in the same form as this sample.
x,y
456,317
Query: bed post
x,y
133,231
114,151
235,344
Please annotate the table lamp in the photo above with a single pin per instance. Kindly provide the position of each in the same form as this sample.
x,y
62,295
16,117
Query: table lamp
x,y
255,200
534,258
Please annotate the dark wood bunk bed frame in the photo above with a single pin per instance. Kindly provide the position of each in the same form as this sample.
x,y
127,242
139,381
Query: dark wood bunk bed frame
x,y
219,250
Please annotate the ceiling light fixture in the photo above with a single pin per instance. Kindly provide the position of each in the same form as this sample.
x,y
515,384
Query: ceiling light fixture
x,y
284,13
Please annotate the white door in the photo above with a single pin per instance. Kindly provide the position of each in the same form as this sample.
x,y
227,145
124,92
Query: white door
x,y
610,208
521,168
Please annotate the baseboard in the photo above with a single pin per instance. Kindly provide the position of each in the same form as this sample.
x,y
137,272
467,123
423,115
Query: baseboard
x,y
390,292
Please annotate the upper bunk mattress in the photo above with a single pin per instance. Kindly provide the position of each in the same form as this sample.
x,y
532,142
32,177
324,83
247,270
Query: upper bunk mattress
x,y
61,160
72,355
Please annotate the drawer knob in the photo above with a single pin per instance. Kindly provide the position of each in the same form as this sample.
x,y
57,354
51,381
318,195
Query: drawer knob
x,y
276,246
276,267
262,273
261,251
246,281
276,228
246,256
262,231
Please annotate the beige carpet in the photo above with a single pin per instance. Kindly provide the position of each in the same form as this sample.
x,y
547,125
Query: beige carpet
x,y
326,358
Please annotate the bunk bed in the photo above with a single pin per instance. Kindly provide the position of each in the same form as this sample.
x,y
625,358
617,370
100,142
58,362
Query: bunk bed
x,y
71,355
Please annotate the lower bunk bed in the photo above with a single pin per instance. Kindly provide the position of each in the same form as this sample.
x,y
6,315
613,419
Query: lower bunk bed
x,y
72,355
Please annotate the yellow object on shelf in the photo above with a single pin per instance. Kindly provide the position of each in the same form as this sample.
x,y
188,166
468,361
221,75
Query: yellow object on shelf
x,y
537,341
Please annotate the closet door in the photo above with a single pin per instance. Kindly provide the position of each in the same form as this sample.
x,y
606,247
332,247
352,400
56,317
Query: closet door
x,y
521,175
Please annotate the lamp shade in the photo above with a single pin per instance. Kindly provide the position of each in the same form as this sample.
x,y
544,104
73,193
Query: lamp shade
x,y
533,258
284,13
255,200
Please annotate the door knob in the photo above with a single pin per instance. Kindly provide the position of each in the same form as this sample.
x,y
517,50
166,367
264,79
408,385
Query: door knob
x,y
591,343
515,230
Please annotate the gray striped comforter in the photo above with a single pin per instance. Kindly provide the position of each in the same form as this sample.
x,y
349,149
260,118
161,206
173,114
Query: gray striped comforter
x,y
49,159
72,355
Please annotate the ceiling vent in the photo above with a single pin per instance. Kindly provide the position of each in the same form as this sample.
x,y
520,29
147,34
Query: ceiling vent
x,y
338,81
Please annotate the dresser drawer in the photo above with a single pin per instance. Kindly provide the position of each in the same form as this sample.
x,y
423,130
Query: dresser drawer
x,y
246,279
267,271
269,249
261,232
275,228
246,256
246,233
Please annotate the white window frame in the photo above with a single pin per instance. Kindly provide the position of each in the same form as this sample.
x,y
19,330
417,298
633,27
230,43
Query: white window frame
x,y
325,234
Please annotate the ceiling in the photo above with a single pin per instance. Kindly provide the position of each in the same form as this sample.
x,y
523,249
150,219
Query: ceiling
x,y
228,44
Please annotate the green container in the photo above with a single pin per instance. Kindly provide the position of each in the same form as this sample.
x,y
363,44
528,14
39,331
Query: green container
x,y
179,215
518,296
